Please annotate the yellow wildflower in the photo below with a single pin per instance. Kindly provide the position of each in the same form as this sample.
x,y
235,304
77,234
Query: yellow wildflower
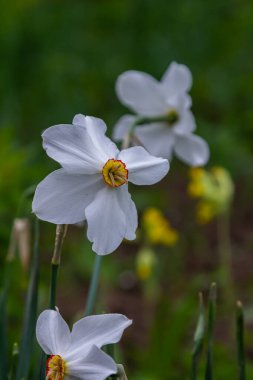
x,y
157,228
205,212
145,262
215,190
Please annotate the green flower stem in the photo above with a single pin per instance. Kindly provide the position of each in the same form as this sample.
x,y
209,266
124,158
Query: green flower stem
x,y
198,339
93,286
53,286
225,254
30,312
240,340
210,329
61,231
150,119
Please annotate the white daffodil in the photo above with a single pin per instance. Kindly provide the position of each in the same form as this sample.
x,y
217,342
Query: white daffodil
x,y
167,99
92,184
76,355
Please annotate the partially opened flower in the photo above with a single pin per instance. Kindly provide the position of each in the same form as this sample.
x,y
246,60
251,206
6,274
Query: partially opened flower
x,y
169,101
92,184
76,355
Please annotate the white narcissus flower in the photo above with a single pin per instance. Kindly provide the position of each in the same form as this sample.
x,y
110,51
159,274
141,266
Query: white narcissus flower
x,y
92,184
76,355
168,98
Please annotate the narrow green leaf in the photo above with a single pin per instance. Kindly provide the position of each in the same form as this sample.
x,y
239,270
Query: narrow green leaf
x,y
3,335
14,361
240,341
210,329
30,312
198,339
43,360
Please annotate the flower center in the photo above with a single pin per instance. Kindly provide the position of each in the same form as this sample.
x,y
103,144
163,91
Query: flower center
x,y
56,368
172,116
115,173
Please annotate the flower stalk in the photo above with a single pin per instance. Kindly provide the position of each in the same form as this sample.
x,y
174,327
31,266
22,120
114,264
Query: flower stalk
x,y
61,231
240,340
210,330
93,286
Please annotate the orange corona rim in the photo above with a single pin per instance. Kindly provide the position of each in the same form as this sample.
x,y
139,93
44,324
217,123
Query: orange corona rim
x,y
115,173
56,368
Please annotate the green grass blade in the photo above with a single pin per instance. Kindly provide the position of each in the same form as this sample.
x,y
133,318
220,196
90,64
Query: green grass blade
x,y
210,329
240,340
198,339
43,361
30,312
3,336
14,361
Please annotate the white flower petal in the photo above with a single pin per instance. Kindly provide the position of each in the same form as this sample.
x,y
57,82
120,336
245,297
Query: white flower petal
x,y
158,139
96,330
130,211
73,148
122,127
52,333
107,223
96,365
179,102
192,149
186,123
96,129
141,92
187,100
176,80
61,197
84,121
143,169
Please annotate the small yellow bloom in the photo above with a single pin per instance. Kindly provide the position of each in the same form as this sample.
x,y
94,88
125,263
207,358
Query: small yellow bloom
x,y
196,173
205,212
145,262
215,190
157,228
195,189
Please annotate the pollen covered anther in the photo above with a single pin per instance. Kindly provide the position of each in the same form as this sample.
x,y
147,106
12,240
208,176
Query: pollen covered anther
x,y
56,368
115,173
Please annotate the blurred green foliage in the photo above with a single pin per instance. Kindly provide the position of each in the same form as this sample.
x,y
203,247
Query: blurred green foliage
x,y
62,57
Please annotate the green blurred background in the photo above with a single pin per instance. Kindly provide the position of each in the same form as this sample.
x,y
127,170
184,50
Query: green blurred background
x,y
59,58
